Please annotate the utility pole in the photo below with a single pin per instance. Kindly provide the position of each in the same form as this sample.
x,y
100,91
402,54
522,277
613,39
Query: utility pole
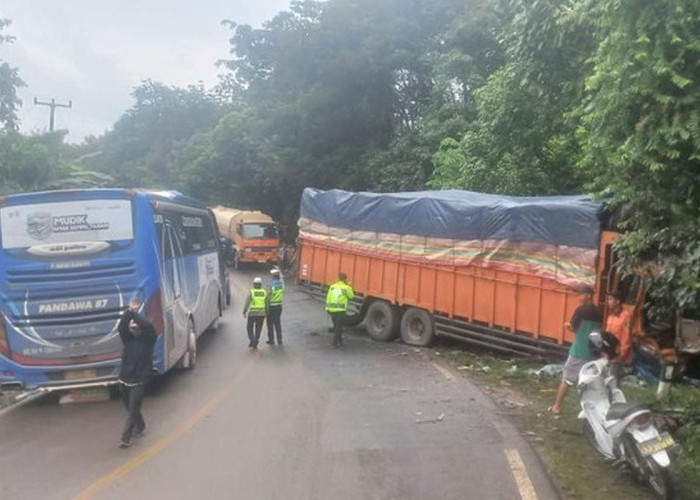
x,y
53,105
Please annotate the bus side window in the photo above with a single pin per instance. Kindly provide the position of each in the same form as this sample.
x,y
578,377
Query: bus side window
x,y
210,235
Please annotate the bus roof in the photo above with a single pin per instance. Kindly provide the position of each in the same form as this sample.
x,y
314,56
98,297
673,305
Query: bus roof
x,y
99,193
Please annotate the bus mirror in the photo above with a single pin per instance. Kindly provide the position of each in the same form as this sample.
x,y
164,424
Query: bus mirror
x,y
154,312
4,345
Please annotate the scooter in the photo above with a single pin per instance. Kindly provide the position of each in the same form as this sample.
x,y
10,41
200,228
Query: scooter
x,y
623,432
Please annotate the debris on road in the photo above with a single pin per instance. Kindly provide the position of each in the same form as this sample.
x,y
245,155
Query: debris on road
x,y
553,370
431,420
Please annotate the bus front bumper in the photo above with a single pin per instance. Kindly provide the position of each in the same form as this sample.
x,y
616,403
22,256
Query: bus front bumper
x,y
52,378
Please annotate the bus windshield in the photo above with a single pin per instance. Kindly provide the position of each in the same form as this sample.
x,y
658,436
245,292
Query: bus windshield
x,y
260,231
65,227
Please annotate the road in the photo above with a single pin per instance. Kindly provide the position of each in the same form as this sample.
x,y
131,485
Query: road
x,y
304,421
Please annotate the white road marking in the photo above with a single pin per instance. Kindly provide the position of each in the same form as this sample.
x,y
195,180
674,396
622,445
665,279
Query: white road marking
x,y
445,372
525,487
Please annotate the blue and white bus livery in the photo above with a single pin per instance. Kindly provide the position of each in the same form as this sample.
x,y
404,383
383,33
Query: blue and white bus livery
x,y
70,263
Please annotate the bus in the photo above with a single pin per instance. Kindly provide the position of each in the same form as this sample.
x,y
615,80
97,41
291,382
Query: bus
x,y
70,263
253,234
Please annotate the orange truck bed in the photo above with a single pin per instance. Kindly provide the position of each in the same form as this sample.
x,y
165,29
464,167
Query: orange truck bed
x,y
514,303
513,296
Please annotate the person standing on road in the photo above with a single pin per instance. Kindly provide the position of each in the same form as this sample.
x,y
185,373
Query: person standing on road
x,y
255,309
138,337
586,319
275,295
337,299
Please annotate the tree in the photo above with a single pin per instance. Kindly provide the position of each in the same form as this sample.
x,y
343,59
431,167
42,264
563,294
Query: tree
x,y
9,83
35,162
640,134
522,140
137,152
338,92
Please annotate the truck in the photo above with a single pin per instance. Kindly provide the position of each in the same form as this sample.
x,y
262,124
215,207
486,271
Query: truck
x,y
254,235
497,272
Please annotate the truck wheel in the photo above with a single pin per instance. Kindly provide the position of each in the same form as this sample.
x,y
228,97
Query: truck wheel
x,y
381,321
417,327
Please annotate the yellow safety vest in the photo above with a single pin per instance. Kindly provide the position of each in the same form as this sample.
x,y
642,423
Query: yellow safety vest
x,y
337,298
276,293
258,297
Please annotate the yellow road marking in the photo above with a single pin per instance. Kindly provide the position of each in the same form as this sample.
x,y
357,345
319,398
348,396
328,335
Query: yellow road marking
x,y
445,372
527,490
166,440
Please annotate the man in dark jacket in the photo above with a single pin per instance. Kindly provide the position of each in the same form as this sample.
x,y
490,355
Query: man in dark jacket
x,y
138,337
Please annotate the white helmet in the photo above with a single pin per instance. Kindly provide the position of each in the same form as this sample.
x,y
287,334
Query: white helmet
x,y
257,280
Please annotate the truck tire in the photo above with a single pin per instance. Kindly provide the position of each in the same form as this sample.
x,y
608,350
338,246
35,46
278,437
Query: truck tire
x,y
381,321
417,327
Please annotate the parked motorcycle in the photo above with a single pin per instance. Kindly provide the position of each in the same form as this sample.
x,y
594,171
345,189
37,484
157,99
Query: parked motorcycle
x,y
623,432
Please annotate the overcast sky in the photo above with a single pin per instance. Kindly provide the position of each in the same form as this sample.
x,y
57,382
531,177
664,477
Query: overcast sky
x,y
94,52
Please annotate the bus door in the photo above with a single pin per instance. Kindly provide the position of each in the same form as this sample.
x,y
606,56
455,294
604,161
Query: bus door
x,y
171,282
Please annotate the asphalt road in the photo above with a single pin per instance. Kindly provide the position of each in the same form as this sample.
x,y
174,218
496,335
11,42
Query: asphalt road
x,y
303,421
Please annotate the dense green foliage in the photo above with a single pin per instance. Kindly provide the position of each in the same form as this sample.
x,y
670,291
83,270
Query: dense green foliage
x,y
507,96
640,134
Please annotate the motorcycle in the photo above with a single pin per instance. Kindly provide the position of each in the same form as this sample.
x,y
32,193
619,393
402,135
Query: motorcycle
x,y
623,432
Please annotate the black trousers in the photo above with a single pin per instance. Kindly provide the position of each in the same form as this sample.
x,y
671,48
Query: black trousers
x,y
274,323
133,397
255,324
338,319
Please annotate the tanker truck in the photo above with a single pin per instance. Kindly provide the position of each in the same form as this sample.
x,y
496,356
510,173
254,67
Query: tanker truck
x,y
253,234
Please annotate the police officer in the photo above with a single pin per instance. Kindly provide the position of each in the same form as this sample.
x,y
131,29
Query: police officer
x,y
255,307
275,295
337,305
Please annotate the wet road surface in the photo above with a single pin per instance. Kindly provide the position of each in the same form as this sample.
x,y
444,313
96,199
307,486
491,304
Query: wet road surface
x,y
304,421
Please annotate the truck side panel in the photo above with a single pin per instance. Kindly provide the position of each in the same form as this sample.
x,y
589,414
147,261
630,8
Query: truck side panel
x,y
513,302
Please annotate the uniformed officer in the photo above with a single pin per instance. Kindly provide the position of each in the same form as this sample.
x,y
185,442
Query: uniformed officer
x,y
337,299
275,295
255,307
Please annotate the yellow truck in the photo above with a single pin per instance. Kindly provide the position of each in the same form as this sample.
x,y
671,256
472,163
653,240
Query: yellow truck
x,y
254,235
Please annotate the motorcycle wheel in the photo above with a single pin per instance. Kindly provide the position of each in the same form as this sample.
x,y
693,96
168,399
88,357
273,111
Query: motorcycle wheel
x,y
633,457
659,479
589,434
648,470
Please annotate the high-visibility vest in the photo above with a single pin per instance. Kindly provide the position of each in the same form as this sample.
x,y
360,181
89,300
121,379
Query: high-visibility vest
x,y
337,298
276,293
258,298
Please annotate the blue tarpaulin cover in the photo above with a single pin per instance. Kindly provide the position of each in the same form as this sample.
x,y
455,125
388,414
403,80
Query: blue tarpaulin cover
x,y
461,215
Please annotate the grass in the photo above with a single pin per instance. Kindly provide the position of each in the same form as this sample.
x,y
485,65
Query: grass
x,y
576,469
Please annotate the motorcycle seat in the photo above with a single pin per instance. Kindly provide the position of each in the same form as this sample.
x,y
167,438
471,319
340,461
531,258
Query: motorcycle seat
x,y
618,411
